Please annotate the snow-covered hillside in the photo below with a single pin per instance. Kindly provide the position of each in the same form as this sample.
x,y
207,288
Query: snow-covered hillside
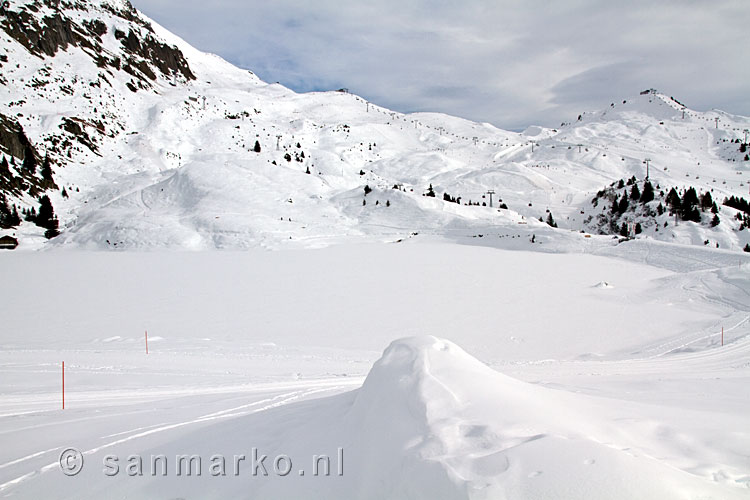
x,y
153,143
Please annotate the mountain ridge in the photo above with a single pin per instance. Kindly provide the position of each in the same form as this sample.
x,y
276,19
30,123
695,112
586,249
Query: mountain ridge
x,y
157,151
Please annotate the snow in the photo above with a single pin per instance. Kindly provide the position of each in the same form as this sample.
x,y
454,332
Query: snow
x,y
520,361
175,168
558,386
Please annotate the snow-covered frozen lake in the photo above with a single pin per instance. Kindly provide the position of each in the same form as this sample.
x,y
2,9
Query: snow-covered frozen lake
x,y
577,376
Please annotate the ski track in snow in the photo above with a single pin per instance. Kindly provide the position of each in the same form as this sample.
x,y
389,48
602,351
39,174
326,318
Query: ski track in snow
x,y
141,432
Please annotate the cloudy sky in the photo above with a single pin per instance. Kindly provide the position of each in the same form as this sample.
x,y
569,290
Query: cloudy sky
x,y
510,63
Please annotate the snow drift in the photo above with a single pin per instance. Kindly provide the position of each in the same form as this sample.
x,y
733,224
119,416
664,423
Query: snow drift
x,y
432,422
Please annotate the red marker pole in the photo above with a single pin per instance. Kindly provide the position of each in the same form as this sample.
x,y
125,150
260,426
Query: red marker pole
x,y
63,384
146,341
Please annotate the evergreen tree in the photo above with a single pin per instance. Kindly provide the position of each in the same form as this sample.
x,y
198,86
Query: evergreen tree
x,y
690,204
648,192
747,247
29,161
46,218
623,205
47,170
615,210
674,201
368,189
4,169
46,211
551,220
715,221
706,201
624,230
387,203
4,214
430,192
638,228
256,148
635,193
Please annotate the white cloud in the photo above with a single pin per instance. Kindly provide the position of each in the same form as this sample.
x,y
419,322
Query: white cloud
x,y
511,63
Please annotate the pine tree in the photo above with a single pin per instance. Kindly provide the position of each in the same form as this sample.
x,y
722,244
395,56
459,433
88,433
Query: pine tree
x,y
368,189
430,192
648,192
690,204
747,247
706,200
29,161
623,205
638,228
4,214
624,230
551,220
47,170
615,208
46,218
256,148
635,193
387,203
674,201
46,211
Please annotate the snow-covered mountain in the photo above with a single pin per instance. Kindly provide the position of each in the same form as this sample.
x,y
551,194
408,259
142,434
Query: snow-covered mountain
x,y
141,141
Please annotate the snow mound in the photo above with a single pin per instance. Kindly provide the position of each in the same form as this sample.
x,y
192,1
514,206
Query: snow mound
x,y
603,284
431,421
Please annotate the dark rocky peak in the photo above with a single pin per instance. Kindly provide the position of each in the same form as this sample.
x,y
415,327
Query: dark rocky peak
x,y
44,27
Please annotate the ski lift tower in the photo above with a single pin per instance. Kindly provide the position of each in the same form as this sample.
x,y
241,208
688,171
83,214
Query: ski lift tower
x,y
647,161
490,192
